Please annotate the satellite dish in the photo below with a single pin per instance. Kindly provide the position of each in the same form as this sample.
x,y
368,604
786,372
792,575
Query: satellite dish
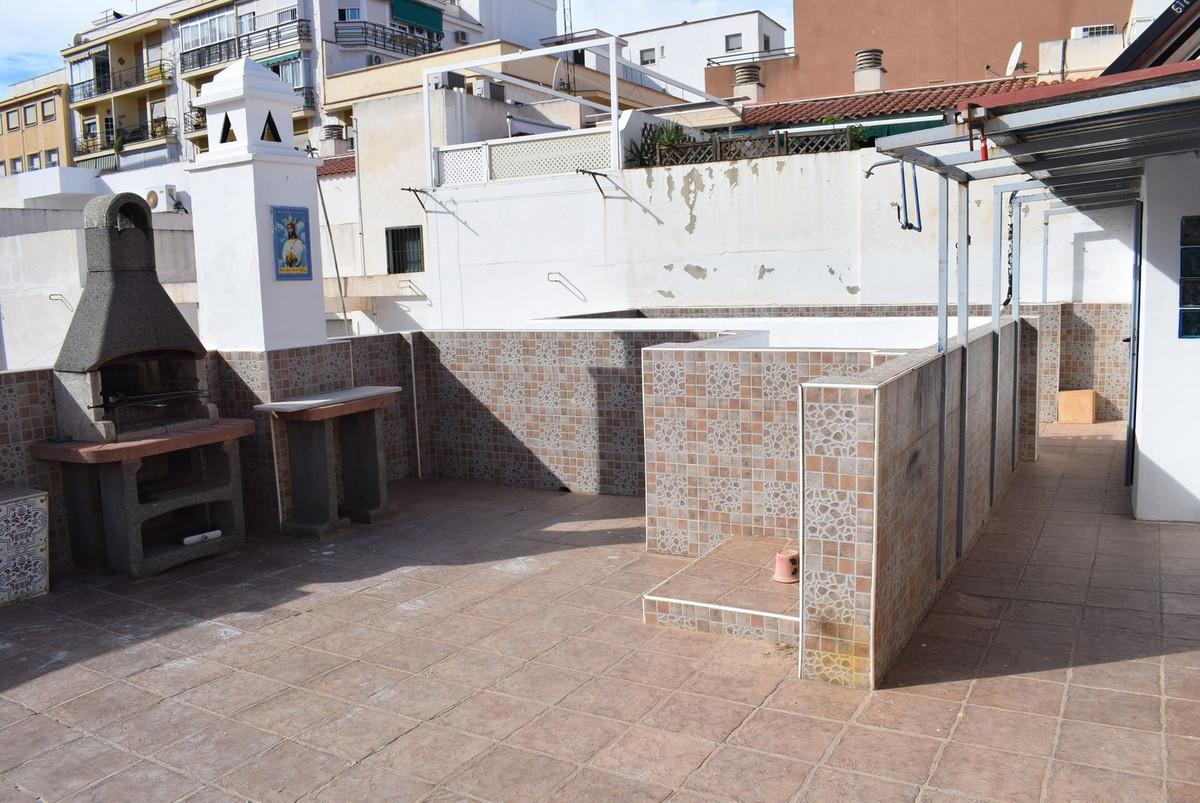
x,y
1013,60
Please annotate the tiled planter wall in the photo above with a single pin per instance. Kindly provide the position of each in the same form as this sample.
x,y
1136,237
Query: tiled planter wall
x,y
27,415
536,409
722,442
871,445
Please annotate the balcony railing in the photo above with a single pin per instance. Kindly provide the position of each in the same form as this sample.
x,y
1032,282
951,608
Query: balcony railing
x,y
195,120
370,34
306,98
158,128
747,58
728,149
248,44
117,80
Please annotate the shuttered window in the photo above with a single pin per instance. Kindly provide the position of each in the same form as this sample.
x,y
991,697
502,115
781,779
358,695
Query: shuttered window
x,y
404,250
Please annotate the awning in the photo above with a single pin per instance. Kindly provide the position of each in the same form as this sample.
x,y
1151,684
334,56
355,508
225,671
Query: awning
x,y
418,14
279,59
1086,141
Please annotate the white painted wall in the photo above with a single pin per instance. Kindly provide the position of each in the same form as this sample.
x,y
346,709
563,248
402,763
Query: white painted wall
x,y
1167,468
684,50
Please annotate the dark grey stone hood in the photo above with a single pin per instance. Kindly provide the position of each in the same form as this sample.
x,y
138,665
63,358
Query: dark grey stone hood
x,y
124,310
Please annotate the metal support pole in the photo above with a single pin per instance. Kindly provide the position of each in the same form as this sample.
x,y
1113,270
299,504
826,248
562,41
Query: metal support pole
x,y
942,337
964,311
1015,210
1134,344
614,104
997,227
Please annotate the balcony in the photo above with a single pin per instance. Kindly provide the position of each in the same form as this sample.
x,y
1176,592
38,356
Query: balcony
x,y
195,120
118,80
158,128
370,34
306,99
248,44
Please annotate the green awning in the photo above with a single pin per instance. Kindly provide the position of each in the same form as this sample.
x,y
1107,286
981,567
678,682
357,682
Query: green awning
x,y
280,59
418,14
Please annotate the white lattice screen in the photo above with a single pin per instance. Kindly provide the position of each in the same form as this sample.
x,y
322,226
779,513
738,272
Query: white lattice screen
x,y
461,166
539,157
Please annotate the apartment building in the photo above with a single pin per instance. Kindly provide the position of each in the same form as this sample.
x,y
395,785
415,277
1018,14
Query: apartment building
x,y
33,129
133,79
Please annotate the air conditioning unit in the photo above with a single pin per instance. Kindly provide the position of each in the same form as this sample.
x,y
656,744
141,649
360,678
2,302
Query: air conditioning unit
x,y
162,198
461,38
450,80
490,90
374,59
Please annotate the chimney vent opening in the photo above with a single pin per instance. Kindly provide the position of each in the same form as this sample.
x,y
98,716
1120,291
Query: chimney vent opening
x,y
869,59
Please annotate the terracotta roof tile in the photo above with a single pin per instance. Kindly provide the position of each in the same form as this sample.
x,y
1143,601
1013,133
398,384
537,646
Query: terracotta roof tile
x,y
866,105
337,166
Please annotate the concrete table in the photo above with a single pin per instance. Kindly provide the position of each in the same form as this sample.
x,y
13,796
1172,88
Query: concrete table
x,y
121,518
315,424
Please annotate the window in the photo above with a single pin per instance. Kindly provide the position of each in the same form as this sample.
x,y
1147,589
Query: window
x,y
31,114
90,128
16,166
348,15
1189,278
49,110
208,29
404,251
13,119
1088,31
647,56
52,158
246,23
766,42
35,161
733,42
288,15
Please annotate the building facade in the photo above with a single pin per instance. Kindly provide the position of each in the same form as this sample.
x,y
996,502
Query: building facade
x,y
133,79
33,130
683,51
924,43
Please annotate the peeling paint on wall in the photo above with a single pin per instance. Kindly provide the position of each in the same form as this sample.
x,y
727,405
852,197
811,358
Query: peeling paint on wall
x,y
669,267
731,175
666,293
763,270
853,289
754,168
693,185
670,186
695,271
779,166
649,179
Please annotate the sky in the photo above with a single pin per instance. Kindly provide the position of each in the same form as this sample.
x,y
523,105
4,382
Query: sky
x,y
33,33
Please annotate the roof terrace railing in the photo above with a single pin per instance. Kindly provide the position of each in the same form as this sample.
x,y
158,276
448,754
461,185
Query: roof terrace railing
x,y
118,80
370,34
747,58
157,128
248,44
727,149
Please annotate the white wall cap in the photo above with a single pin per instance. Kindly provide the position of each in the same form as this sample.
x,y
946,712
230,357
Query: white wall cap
x,y
246,79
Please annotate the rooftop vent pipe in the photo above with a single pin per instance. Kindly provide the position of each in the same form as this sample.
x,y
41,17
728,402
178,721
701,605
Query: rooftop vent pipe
x,y
747,81
868,70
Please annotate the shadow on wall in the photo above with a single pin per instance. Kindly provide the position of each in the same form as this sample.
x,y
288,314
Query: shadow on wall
x,y
1079,248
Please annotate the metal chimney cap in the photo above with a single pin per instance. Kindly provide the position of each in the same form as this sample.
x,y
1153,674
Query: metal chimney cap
x,y
868,59
125,210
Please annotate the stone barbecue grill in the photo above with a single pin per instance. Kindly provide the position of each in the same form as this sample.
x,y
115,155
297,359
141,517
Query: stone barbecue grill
x,y
148,466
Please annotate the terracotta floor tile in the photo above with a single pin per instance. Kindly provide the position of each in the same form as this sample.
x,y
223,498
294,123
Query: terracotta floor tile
x,y
596,786
357,732
927,680
701,717
786,734
352,641
569,735
31,737
1050,613
291,711
1183,682
816,699
55,686
286,772
654,756
896,756
520,641
1070,783
541,682
131,659
474,668
1113,708
1183,717
156,727
245,650
107,704
507,774
419,697
1183,759
296,665
744,775
909,712
430,752
1007,730
231,693
691,644
409,653
1131,676
142,781
216,749
614,698
1119,749
988,773
583,655
492,715
1182,792
69,767
655,669
364,782
829,785
355,681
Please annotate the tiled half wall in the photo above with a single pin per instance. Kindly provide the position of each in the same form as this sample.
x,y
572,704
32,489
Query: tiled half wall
x,y
873,442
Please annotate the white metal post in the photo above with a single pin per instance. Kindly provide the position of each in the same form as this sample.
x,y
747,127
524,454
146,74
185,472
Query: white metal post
x,y
430,170
964,262
943,261
1015,211
485,158
613,100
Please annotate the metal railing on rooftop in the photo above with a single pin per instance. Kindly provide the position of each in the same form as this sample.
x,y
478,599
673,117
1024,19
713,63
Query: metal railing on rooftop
x,y
723,149
117,80
747,58
370,34
247,44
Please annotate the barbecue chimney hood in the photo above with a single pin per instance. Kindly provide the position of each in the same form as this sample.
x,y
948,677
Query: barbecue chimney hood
x,y
124,310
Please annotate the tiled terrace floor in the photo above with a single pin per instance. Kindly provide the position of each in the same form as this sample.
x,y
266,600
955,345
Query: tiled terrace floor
x,y
488,645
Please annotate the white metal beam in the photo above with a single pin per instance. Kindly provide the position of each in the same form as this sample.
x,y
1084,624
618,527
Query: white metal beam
x,y
511,79
672,81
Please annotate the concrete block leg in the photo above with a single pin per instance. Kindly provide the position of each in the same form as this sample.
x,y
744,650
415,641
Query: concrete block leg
x,y
364,467
123,530
81,486
311,449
